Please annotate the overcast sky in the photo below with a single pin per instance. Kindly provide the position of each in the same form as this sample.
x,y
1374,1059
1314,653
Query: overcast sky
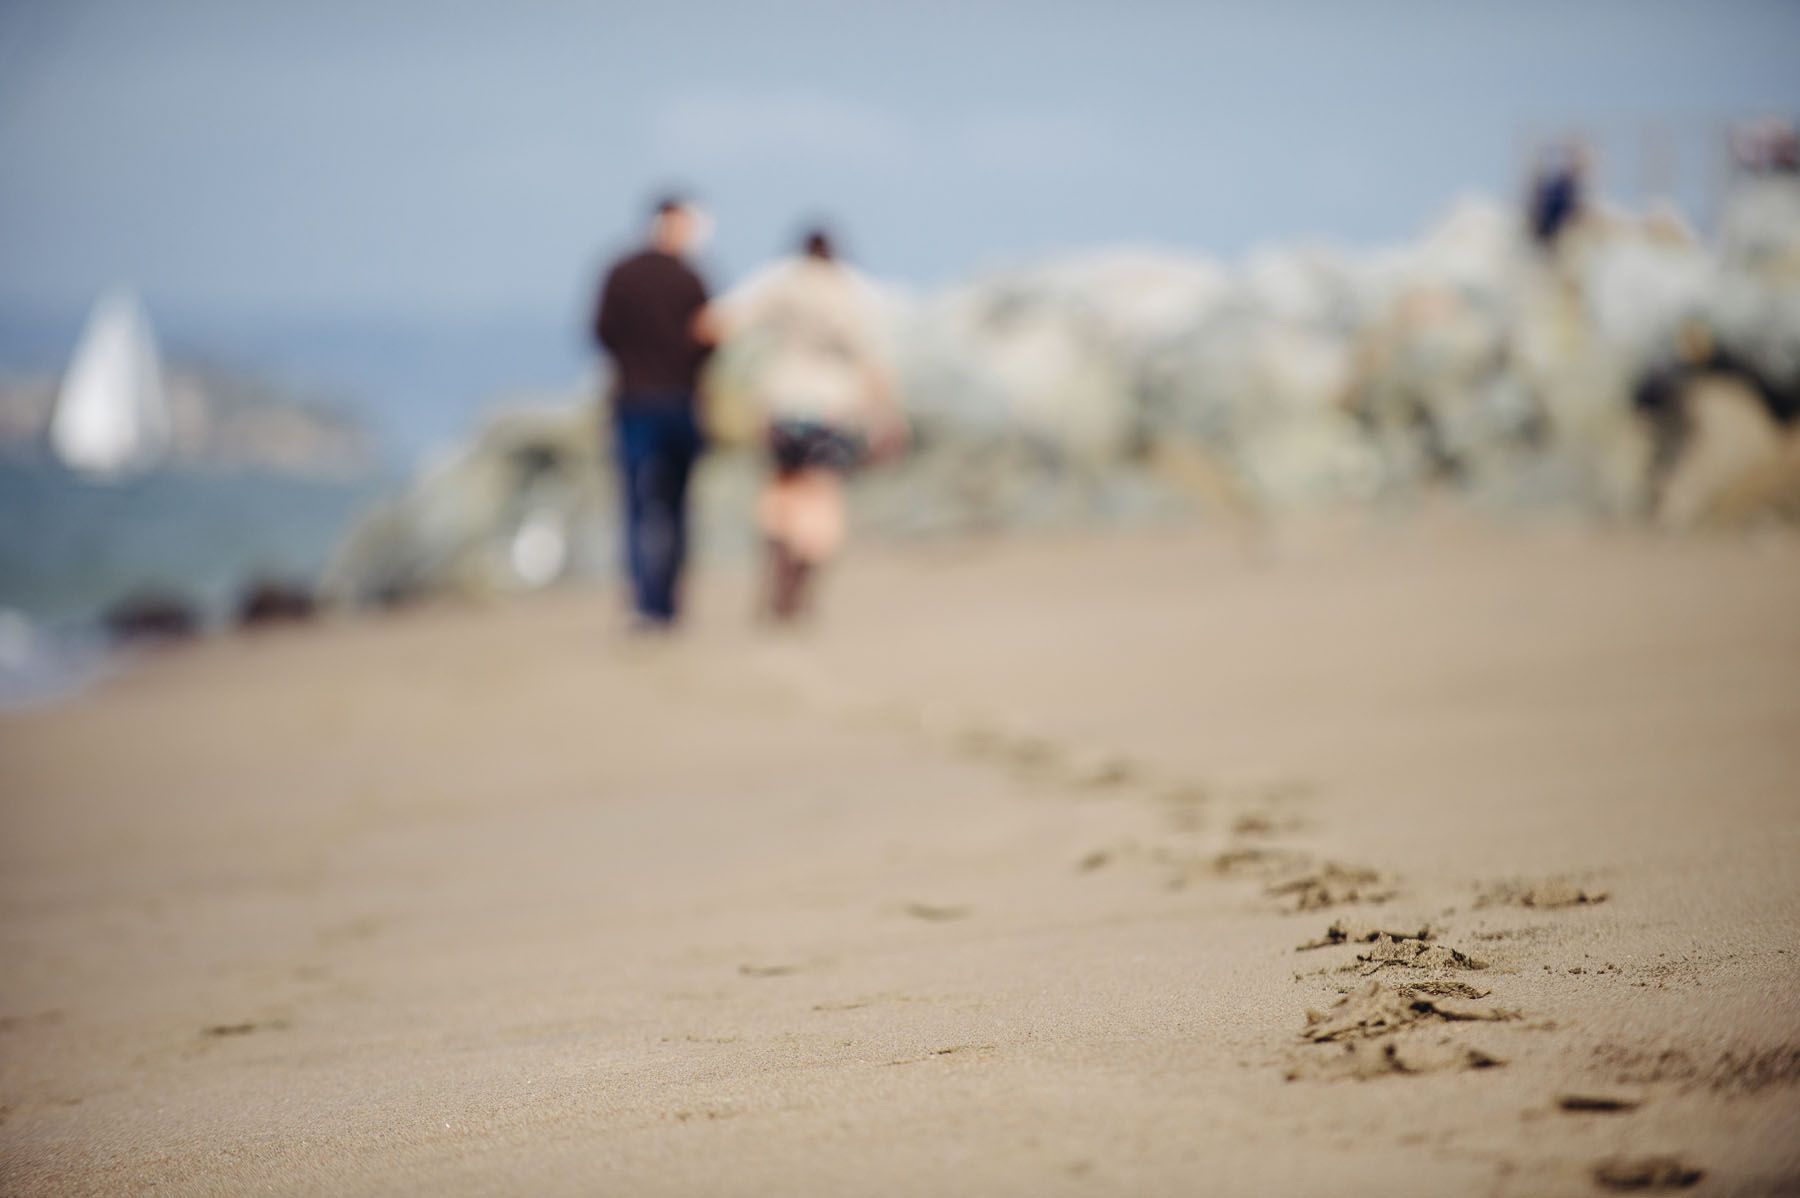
x,y
419,160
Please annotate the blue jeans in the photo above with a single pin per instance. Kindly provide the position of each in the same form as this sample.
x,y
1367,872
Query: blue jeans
x,y
658,441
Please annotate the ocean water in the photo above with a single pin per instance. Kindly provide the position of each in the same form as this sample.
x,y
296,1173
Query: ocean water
x,y
70,549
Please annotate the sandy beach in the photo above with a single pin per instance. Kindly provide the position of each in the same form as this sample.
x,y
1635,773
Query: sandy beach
x,y
995,881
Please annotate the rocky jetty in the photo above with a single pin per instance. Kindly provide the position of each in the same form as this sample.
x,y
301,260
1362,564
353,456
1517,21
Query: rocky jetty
x,y
1628,370
1472,357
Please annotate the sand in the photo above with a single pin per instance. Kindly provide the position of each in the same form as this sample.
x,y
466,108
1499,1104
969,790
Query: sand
x,y
994,881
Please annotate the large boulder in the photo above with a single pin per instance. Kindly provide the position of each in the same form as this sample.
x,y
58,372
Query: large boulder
x,y
1755,304
1738,466
520,507
1055,354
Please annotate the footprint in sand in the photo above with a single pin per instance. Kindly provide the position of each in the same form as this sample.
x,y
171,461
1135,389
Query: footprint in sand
x,y
363,927
1375,1010
1539,895
1353,931
1737,1070
768,971
979,1051
999,740
1365,1061
1403,950
1267,809
1185,867
848,1004
1258,810
1241,861
1100,769
1131,851
1292,876
870,1000
1441,988
1602,1104
932,913
1376,1031
1334,885
1042,760
1184,806
1254,861
1261,824
221,1030
1535,932
1032,754
13,1022
1646,1173
1101,858
1387,952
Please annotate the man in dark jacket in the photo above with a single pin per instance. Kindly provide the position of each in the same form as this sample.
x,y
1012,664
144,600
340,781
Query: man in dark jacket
x,y
649,320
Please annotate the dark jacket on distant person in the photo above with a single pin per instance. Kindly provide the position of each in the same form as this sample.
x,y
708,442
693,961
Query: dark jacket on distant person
x,y
1555,202
645,320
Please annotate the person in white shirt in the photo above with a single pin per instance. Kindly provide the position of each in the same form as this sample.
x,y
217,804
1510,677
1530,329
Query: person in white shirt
x,y
821,376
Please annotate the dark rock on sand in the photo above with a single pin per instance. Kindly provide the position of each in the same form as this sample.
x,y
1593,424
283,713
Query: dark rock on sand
x,y
152,617
270,602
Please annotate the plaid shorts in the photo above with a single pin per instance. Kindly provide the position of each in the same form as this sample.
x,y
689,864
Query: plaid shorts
x,y
797,445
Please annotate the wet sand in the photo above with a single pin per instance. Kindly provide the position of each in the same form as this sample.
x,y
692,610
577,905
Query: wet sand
x,y
994,881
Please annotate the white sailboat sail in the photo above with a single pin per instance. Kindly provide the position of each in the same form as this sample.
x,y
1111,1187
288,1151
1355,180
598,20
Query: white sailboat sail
x,y
111,418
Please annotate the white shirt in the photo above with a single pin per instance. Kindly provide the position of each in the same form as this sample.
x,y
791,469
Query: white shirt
x,y
815,340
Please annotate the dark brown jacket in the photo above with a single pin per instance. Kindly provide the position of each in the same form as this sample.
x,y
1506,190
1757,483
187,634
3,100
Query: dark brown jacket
x,y
645,320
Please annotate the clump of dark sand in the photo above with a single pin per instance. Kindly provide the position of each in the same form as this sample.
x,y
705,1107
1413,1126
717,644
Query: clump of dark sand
x,y
1352,931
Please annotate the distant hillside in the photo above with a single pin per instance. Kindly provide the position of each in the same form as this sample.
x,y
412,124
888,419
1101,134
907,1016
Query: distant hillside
x,y
223,419
413,383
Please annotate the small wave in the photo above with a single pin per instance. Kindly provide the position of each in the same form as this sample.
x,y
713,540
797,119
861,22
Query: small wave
x,y
41,665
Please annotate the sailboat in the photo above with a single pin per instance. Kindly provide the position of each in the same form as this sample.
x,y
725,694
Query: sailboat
x,y
111,418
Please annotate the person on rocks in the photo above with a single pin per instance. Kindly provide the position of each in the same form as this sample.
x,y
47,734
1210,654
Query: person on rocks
x,y
1558,192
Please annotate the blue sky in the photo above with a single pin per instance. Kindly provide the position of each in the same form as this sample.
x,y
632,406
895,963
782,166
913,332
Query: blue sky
x,y
441,160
